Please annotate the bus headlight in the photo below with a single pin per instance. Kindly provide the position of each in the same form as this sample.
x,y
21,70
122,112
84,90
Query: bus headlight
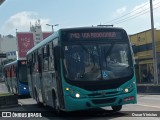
x,y
73,93
67,89
77,95
126,90
24,88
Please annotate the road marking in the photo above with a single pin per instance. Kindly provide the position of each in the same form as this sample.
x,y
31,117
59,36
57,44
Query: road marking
x,y
148,106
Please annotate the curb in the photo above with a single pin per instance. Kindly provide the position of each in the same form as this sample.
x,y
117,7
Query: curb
x,y
9,106
8,100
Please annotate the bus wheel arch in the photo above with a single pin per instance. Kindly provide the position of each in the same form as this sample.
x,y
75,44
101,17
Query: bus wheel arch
x,y
117,108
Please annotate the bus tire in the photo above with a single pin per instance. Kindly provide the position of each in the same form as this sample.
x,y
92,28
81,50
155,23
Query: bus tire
x,y
55,102
37,98
117,108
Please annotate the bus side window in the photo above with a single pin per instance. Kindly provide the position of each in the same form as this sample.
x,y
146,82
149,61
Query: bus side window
x,y
16,71
13,74
51,57
35,62
29,64
46,58
5,73
10,72
40,58
32,63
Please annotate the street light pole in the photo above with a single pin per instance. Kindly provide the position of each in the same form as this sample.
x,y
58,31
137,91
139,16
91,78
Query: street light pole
x,y
153,45
52,26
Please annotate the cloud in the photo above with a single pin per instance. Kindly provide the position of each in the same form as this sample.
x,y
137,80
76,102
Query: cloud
x,y
140,12
122,10
119,12
142,9
157,25
21,21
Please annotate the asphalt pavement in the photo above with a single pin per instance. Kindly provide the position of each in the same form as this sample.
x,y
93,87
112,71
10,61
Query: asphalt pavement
x,y
148,104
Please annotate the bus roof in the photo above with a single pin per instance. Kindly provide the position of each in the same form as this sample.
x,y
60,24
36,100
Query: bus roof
x,y
11,63
93,27
56,34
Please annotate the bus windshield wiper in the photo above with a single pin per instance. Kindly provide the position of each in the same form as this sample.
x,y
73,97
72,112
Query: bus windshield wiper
x,y
109,50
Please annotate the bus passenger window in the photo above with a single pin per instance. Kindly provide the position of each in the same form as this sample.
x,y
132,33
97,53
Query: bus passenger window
x,y
46,64
51,57
45,58
51,63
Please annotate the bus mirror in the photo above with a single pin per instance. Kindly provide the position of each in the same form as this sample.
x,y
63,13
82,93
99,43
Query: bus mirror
x,y
57,56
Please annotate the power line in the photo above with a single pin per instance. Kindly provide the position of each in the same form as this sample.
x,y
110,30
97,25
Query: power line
x,y
127,13
135,16
125,18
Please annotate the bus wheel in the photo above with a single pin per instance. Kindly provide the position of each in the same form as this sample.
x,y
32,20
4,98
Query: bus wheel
x,y
57,110
55,103
117,108
37,98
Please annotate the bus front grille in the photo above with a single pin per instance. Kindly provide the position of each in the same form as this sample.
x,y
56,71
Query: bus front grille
x,y
103,101
101,94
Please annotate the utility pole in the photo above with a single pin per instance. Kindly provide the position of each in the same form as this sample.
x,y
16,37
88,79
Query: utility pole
x,y
153,45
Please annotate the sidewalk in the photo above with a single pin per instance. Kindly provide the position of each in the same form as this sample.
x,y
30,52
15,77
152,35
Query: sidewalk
x,y
3,88
6,98
148,88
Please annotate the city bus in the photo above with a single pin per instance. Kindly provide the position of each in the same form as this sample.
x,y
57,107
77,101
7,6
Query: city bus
x,y
83,68
15,74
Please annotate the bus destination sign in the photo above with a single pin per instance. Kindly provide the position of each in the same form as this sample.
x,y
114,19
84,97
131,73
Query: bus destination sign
x,y
95,35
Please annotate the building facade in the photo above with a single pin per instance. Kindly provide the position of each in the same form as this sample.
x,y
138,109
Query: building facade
x,y
8,45
38,35
142,47
37,32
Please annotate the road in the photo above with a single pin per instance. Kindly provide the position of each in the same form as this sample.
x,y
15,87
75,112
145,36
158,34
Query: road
x,y
147,103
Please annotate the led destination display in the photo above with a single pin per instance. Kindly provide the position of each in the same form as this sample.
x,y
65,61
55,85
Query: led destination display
x,y
94,35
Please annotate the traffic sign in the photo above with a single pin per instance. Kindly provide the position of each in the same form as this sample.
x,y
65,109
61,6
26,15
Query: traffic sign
x,y
3,55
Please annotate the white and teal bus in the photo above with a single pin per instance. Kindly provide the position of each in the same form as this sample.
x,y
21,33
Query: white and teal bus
x,y
83,68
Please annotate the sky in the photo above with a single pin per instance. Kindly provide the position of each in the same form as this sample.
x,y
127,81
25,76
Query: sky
x,y
132,15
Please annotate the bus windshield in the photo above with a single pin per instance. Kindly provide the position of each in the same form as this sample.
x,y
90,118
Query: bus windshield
x,y
97,61
23,73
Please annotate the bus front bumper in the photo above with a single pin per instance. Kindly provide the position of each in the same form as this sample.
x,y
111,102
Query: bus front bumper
x,y
73,103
